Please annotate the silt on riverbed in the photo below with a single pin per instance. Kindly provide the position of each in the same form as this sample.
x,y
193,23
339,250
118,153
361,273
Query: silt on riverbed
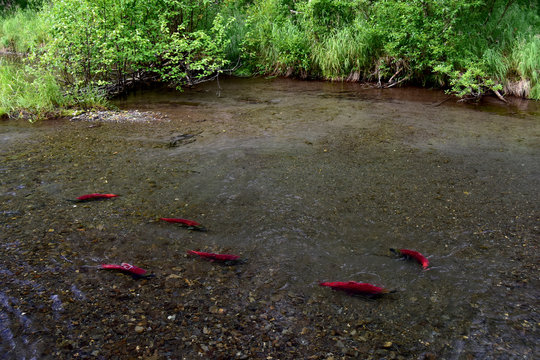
x,y
310,182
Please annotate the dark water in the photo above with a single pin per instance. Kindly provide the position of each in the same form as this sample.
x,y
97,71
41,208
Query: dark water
x,y
310,182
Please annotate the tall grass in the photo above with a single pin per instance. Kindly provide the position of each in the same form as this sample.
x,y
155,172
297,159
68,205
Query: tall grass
x,y
445,42
34,93
23,31
23,89
496,63
349,52
236,32
291,50
511,50
526,60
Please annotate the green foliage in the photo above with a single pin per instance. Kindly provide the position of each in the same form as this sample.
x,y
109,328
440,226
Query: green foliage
x,y
23,31
190,57
469,84
9,6
265,19
22,88
526,60
467,45
352,49
32,92
328,15
291,50
236,31
102,42
495,63
91,48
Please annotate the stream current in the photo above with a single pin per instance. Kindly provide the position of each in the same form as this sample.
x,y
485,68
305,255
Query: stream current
x,y
307,181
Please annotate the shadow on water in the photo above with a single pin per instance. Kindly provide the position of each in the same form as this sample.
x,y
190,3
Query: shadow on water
x,y
310,182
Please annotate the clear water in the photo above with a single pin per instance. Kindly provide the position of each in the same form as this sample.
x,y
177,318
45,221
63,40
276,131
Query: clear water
x,y
310,182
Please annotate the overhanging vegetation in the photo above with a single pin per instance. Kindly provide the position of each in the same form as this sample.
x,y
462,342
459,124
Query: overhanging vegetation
x,y
90,49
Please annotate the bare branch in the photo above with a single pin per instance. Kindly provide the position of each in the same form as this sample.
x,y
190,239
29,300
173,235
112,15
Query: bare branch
x,y
500,96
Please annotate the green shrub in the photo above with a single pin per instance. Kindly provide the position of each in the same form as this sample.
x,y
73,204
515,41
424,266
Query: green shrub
x,y
101,42
190,57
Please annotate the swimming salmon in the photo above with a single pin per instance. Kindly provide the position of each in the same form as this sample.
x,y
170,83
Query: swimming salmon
x,y
225,258
95,196
190,224
354,287
411,254
125,267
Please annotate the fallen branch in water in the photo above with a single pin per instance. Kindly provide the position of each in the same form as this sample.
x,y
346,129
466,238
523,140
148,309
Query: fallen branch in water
x,y
397,82
442,102
393,76
500,96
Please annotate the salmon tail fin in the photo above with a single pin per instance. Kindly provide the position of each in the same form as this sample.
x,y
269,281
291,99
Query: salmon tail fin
x,y
392,291
395,251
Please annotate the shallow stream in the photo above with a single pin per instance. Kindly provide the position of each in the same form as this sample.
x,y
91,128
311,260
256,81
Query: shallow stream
x,y
308,181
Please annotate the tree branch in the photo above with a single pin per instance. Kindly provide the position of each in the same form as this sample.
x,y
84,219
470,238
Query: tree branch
x,y
504,12
500,96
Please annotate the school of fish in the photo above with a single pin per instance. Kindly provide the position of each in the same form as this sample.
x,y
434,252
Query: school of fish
x,y
349,287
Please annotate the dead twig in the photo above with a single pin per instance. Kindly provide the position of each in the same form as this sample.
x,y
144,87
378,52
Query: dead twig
x,y
442,102
397,82
500,96
393,76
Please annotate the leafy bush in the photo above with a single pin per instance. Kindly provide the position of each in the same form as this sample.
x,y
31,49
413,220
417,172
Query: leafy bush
x,y
190,57
109,42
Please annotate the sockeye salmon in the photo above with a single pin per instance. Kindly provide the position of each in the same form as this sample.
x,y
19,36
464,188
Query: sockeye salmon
x,y
190,224
125,267
411,254
95,196
354,287
224,258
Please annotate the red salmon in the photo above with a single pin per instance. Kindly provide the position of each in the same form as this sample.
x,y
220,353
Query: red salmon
x,y
95,196
413,255
125,267
215,257
355,287
188,223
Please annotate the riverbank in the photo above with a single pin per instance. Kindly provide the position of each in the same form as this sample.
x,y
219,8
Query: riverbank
x,y
428,44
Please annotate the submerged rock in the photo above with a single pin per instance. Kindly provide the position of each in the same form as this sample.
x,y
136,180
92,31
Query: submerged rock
x,y
181,139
